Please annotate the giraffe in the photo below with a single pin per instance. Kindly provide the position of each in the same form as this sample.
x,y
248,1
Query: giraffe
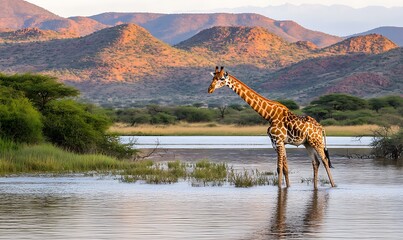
x,y
285,127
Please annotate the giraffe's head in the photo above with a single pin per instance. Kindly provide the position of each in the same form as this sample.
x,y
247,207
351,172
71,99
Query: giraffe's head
x,y
219,79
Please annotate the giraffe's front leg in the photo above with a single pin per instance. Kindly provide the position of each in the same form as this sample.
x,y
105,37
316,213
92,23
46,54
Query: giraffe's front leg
x,y
280,163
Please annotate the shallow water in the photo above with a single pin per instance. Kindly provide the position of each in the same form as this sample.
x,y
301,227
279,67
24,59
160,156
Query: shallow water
x,y
367,203
222,142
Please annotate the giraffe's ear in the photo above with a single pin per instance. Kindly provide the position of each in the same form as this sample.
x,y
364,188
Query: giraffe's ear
x,y
212,74
226,74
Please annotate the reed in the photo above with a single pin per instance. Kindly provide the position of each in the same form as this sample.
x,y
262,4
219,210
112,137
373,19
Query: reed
x,y
209,173
45,158
252,178
151,172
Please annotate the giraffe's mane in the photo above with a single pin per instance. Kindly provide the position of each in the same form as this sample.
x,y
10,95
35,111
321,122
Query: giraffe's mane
x,y
250,89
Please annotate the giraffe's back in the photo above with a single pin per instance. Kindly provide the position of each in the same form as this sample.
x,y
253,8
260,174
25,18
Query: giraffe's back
x,y
301,129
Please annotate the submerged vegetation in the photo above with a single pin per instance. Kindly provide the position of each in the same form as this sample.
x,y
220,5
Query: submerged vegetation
x,y
17,159
202,173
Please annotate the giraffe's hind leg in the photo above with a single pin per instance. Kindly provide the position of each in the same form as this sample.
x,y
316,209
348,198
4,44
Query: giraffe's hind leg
x,y
325,161
315,163
285,170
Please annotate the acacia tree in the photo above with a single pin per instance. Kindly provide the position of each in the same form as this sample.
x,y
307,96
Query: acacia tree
x,y
326,105
40,89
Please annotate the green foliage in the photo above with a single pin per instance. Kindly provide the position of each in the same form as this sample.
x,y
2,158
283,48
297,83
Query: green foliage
x,y
192,114
210,173
66,123
111,146
19,120
395,102
162,118
40,89
45,158
7,145
245,118
326,105
342,109
70,125
358,117
289,103
237,107
387,145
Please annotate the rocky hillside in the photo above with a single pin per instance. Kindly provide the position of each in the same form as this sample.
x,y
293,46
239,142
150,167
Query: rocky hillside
x,y
122,53
254,46
395,34
30,35
371,44
121,62
364,75
174,28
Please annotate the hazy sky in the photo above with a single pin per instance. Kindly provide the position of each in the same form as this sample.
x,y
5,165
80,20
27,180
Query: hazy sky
x,y
91,7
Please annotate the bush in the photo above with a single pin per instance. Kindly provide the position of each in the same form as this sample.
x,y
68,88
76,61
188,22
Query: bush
x,y
246,117
163,118
329,122
19,120
386,145
192,114
326,105
290,104
68,124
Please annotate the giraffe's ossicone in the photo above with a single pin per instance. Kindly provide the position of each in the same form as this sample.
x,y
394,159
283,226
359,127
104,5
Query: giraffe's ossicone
x,y
284,126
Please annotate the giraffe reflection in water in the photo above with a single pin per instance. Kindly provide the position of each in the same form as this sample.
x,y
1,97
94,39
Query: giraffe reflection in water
x,y
285,224
295,224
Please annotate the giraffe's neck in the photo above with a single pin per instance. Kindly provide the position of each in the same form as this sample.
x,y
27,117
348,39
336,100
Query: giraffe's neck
x,y
268,109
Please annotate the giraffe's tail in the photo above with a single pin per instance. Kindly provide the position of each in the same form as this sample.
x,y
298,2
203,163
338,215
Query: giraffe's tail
x,y
326,151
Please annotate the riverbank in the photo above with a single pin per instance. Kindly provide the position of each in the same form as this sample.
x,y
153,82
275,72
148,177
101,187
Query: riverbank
x,y
214,129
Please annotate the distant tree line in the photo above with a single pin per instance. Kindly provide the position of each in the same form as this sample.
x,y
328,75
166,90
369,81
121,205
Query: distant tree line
x,y
36,108
332,109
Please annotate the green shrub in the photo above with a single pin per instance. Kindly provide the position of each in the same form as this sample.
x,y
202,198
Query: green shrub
x,y
329,122
163,118
69,125
192,114
387,145
289,103
19,120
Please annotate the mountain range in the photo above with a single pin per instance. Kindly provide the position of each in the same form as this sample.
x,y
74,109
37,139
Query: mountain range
x,y
339,20
128,64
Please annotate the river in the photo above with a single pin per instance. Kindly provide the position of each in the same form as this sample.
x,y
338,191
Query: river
x,y
366,204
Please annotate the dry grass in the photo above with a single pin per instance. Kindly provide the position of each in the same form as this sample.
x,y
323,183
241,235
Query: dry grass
x,y
213,129
361,130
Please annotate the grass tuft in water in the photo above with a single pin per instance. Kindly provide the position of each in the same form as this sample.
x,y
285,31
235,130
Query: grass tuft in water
x,y
251,178
209,173
323,181
156,173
